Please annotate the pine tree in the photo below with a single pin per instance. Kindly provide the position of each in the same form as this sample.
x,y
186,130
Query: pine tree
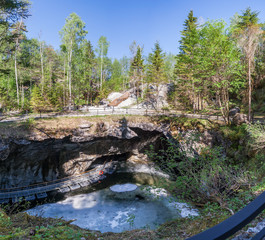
x,y
156,72
137,62
37,101
136,71
186,63
190,28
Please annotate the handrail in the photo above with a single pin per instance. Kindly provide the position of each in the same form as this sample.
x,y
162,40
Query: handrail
x,y
57,185
236,222
126,111
8,190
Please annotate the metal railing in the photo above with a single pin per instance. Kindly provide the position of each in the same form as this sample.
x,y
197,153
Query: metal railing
x,y
101,111
92,176
236,222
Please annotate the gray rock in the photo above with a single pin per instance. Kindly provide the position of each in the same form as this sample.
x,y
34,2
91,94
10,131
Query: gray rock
x,y
50,159
234,111
239,118
85,126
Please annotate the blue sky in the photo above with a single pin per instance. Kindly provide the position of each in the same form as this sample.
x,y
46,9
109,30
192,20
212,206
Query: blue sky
x,y
122,21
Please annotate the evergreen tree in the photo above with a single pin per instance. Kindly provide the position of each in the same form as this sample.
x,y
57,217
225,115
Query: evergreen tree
x,y
37,101
11,11
84,65
219,67
136,72
188,85
156,71
187,39
89,61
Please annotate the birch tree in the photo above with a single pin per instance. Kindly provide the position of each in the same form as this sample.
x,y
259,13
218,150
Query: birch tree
x,y
72,35
18,30
41,47
102,51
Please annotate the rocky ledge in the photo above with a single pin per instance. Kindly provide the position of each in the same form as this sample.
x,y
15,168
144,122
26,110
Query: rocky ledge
x,y
35,159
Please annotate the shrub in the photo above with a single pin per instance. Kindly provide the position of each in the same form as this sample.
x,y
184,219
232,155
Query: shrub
x,y
200,178
256,134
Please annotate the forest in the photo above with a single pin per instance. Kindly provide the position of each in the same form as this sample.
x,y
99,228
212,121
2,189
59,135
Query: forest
x,y
219,66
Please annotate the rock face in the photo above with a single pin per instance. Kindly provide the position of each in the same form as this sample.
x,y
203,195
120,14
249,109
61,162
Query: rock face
x,y
24,161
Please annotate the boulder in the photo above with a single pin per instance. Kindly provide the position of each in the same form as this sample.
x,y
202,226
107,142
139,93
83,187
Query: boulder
x,y
234,111
239,118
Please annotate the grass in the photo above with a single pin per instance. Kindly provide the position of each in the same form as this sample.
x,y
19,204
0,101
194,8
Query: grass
x,y
59,127
23,226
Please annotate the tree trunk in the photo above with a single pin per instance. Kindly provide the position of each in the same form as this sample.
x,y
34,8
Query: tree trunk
x,y
22,93
194,97
249,91
64,93
101,68
70,72
42,71
142,81
16,75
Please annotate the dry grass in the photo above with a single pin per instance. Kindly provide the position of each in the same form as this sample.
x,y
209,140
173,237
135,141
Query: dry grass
x,y
59,127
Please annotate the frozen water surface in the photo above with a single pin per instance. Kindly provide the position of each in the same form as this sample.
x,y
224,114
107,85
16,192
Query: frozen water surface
x,y
123,187
102,211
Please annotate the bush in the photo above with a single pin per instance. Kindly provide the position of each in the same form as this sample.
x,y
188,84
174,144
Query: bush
x,y
200,178
256,134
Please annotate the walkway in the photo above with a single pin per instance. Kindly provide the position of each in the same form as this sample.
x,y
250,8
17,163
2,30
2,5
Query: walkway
x,y
103,111
62,185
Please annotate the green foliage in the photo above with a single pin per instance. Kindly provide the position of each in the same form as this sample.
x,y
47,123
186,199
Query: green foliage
x,y
188,34
73,32
11,11
209,66
248,18
103,62
156,67
131,219
38,102
234,133
137,63
200,178
208,74
5,221
256,137
29,123
248,31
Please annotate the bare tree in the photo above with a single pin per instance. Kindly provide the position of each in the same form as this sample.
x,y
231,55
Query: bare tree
x,y
248,32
